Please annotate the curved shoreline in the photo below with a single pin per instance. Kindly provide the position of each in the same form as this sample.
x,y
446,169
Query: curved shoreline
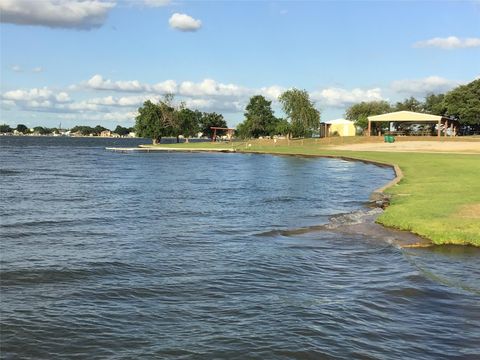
x,y
377,197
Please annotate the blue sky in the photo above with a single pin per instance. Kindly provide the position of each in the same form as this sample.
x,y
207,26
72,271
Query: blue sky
x,y
76,62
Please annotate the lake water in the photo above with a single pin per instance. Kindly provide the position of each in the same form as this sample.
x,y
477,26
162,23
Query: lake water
x,y
182,256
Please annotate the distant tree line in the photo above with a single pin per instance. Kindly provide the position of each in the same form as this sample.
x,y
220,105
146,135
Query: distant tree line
x,y
165,119
79,129
462,103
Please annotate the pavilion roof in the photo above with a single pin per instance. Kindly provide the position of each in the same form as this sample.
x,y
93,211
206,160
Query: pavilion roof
x,y
407,116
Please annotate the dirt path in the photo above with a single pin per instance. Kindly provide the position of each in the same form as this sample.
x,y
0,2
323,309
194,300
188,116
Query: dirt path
x,y
464,147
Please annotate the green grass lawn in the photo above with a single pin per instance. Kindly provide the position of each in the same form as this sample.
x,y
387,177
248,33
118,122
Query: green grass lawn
x,y
438,198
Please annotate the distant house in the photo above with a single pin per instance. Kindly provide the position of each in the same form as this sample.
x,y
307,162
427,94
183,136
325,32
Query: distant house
x,y
106,133
337,127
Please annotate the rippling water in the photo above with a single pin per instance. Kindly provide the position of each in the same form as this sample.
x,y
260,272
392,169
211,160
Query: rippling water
x,y
164,255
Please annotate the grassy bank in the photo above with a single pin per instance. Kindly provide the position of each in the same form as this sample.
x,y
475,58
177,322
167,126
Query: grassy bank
x,y
438,198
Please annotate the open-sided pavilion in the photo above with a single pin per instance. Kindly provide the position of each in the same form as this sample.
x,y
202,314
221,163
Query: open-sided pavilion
x,y
415,118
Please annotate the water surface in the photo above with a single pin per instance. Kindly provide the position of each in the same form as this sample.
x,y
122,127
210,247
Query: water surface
x,y
164,255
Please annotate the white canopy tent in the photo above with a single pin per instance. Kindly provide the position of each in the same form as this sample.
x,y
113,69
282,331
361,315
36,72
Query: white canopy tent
x,y
416,118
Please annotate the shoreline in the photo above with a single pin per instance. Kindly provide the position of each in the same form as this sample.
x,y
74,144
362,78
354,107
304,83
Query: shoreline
x,y
439,199
378,197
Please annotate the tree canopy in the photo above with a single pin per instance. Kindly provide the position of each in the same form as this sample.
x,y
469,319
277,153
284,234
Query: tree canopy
x,y
5,129
301,112
212,119
360,112
22,129
122,131
165,119
259,119
463,103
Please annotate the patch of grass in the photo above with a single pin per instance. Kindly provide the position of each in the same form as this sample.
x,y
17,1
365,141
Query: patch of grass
x,y
429,201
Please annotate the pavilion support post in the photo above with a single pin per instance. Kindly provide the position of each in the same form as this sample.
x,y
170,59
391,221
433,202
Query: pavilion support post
x,y
369,131
446,127
439,125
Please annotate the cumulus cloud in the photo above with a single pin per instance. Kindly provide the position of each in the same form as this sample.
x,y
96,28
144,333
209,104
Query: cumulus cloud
x,y
184,22
56,13
451,42
338,97
36,99
36,95
97,82
272,92
16,68
218,105
206,87
124,101
209,87
37,69
431,84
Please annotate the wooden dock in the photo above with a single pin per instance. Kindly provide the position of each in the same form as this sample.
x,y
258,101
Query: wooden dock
x,y
166,149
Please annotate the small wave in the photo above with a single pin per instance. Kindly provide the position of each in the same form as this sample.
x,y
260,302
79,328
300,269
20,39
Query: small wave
x,y
9,172
335,222
64,274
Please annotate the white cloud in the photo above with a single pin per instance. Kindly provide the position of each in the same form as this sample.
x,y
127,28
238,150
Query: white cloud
x,y
431,84
56,13
272,92
37,69
217,105
184,22
451,42
156,3
16,68
120,116
209,87
36,94
338,97
167,86
206,87
97,82
124,101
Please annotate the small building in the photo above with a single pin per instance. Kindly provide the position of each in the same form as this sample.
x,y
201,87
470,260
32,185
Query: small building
x,y
337,127
106,133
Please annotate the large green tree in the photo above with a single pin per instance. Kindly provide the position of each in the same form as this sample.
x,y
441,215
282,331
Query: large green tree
x,y
301,112
4,129
42,130
156,120
82,129
360,112
98,129
122,131
463,103
209,120
189,122
22,129
434,104
259,118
